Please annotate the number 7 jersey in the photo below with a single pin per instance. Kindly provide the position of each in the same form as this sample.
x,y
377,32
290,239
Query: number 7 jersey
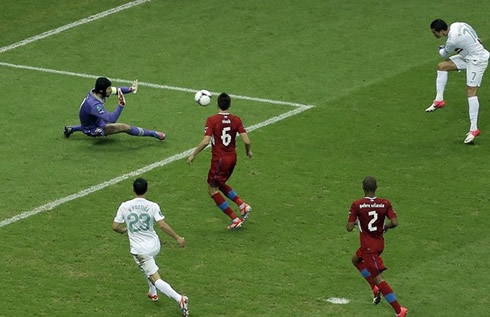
x,y
370,214
223,129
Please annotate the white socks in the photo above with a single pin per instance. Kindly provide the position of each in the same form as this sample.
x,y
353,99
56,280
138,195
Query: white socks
x,y
166,289
152,289
474,105
441,81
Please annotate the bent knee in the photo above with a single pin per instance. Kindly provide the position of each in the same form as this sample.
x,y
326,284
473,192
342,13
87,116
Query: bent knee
x,y
446,66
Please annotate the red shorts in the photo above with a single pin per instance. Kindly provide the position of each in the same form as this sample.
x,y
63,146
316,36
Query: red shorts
x,y
373,261
221,170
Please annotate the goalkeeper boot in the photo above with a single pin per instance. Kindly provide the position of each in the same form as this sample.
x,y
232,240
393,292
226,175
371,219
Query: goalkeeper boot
x,y
67,131
159,135
470,136
436,105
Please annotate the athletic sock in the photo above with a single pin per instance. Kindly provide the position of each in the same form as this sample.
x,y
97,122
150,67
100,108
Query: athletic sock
x,y
389,296
441,81
474,106
223,205
76,128
231,194
152,289
366,274
136,131
166,289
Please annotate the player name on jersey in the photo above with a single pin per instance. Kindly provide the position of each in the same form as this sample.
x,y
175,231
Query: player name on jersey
x,y
374,205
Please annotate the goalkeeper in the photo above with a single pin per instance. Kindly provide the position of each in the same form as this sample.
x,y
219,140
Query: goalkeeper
x,y
96,121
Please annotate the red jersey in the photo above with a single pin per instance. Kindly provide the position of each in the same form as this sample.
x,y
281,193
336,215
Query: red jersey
x,y
223,128
370,214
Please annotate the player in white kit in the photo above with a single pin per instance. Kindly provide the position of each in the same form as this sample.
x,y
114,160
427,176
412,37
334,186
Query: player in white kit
x,y
140,214
470,55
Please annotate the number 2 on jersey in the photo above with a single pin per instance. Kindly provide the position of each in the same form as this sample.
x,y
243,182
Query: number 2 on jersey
x,y
374,214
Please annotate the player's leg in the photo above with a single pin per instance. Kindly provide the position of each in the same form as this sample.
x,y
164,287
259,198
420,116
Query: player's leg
x,y
375,266
113,128
149,267
361,267
223,205
245,208
474,75
152,291
441,80
219,172
69,129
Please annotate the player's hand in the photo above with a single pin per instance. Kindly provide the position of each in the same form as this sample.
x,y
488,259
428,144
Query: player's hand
x,y
134,87
190,159
181,241
249,154
120,97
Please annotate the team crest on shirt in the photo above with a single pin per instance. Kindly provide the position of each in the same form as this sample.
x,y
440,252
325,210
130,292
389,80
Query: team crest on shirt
x,y
99,108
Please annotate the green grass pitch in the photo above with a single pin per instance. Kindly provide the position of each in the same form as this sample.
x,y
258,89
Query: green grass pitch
x,y
369,70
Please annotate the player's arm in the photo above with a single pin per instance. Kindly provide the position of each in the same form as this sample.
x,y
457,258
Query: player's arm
x,y
117,226
100,112
248,144
126,90
168,230
351,221
205,142
448,49
390,224
350,225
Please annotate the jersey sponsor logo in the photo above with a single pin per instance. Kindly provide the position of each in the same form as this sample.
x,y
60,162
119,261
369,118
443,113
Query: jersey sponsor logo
x,y
99,108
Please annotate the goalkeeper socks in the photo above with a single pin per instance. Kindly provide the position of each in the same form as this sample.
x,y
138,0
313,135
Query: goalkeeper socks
x,y
231,194
76,128
441,81
166,289
389,296
366,274
223,205
136,131
474,106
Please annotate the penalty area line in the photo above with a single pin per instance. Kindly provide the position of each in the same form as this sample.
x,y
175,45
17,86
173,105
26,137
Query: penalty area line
x,y
151,85
53,204
71,25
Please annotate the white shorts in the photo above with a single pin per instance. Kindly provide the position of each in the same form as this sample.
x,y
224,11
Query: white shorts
x,y
474,69
147,264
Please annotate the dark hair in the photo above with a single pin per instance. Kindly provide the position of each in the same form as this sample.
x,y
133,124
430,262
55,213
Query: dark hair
x,y
224,101
101,85
438,25
140,186
369,184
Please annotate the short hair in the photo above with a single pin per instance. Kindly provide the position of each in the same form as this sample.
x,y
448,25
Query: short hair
x,y
224,101
369,184
101,84
140,186
438,25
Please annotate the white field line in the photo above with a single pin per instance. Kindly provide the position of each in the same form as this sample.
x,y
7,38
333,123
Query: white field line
x,y
71,25
151,85
173,158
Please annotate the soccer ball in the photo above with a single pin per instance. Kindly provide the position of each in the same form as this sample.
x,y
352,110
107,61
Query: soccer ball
x,y
203,97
